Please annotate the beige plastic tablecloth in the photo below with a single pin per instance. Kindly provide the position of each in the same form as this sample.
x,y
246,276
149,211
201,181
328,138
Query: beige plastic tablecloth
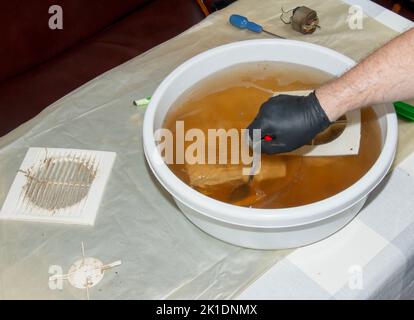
x,y
163,254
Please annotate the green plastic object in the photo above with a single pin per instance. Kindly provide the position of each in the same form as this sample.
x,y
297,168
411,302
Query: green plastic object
x,y
142,102
404,110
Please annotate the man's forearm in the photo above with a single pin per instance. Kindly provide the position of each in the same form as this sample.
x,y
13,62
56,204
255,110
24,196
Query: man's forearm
x,y
384,76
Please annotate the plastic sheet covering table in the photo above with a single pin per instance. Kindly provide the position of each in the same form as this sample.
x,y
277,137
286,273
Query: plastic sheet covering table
x,y
163,255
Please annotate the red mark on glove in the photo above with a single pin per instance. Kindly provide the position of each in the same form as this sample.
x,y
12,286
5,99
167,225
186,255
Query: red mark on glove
x,y
267,138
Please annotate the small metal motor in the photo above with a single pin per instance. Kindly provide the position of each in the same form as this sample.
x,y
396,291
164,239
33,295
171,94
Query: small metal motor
x,y
303,19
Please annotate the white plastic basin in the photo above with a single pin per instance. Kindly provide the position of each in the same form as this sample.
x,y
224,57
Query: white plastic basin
x,y
263,228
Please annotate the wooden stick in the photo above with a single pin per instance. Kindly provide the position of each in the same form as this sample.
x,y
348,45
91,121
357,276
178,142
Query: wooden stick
x,y
203,7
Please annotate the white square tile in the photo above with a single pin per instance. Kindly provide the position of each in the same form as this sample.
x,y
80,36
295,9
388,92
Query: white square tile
x,y
58,185
408,165
284,281
330,262
389,208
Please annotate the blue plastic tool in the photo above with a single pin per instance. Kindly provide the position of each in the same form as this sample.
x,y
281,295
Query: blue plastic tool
x,y
243,23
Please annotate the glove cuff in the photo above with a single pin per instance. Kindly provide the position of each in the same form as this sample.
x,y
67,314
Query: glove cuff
x,y
314,102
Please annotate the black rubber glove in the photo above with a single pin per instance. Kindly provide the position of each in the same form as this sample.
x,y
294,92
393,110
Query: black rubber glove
x,y
290,121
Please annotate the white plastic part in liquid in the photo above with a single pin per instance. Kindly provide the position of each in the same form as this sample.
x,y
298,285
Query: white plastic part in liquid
x,y
263,228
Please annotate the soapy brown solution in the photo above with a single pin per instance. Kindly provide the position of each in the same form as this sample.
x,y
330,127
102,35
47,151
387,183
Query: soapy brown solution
x,y
231,98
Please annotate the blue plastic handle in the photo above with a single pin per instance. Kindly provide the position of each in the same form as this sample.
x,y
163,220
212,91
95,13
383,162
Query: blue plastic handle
x,y
243,23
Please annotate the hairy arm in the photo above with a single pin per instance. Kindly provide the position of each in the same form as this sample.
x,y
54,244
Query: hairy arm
x,y
384,76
